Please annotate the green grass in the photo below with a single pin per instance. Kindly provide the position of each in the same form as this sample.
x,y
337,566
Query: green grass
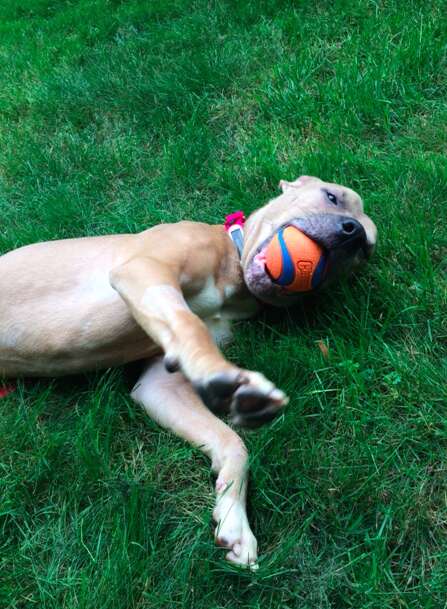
x,y
116,115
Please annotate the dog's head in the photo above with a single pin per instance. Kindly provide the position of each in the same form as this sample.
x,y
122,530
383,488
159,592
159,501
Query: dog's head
x,y
329,214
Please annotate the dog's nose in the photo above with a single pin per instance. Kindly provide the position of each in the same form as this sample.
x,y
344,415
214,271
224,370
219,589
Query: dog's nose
x,y
350,228
334,231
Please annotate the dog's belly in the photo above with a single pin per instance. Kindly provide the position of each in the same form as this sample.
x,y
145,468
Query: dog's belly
x,y
56,340
59,314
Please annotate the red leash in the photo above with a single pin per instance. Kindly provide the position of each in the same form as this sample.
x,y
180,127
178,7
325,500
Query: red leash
x,y
6,390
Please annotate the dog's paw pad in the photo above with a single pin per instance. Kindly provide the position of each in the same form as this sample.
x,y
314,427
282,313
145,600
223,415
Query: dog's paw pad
x,y
253,406
171,363
218,389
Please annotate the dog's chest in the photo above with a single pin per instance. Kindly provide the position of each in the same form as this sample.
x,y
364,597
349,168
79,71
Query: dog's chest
x,y
208,301
219,306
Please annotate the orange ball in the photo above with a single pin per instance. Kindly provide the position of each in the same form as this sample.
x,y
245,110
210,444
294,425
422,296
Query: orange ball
x,y
294,261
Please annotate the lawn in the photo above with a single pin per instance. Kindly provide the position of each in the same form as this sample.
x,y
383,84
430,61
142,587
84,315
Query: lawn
x,y
116,115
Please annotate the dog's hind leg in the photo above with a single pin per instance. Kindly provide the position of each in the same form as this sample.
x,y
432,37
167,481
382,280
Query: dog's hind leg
x,y
171,401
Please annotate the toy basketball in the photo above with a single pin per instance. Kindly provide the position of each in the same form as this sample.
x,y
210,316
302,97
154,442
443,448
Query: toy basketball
x,y
294,261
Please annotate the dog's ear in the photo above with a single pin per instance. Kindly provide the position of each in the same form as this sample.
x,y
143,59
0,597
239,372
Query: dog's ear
x,y
285,185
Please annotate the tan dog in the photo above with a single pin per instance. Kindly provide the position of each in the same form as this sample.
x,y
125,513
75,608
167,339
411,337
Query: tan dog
x,y
168,294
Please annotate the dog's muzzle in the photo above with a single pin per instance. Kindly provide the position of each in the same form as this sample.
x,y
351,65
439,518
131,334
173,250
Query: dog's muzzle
x,y
334,232
343,239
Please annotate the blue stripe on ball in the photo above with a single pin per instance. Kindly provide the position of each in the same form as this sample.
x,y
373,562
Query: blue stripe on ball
x,y
319,272
288,268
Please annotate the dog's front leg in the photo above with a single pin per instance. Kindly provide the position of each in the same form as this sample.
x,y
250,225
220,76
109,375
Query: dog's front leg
x,y
152,291
170,400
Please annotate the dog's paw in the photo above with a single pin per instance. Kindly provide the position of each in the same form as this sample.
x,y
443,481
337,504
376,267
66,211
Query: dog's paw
x,y
248,396
217,390
256,402
233,533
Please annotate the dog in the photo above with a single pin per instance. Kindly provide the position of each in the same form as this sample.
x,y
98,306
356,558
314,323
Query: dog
x,y
168,295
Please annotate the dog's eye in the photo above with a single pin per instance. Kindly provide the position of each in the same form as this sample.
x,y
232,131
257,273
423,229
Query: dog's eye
x,y
332,198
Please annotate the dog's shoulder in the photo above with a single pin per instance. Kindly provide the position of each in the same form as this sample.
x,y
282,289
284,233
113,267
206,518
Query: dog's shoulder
x,y
197,236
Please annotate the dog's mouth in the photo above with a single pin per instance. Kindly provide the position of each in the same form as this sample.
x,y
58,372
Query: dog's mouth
x,y
344,245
